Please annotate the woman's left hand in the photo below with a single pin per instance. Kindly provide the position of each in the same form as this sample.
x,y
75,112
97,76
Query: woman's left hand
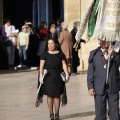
x,y
67,77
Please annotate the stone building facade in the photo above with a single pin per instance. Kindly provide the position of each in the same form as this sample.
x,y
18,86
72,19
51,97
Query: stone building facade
x,y
74,11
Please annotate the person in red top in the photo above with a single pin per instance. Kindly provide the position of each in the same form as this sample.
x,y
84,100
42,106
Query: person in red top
x,y
43,31
42,41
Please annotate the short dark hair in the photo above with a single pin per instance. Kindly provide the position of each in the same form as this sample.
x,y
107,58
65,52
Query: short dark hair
x,y
55,41
7,20
42,24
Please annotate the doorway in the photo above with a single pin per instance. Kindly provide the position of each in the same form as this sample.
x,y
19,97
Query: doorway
x,y
17,11
57,9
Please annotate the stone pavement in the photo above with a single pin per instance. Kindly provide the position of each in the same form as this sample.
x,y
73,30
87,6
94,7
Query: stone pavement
x,y
18,95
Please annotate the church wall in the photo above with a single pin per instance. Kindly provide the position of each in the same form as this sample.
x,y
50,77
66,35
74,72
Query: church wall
x,y
74,10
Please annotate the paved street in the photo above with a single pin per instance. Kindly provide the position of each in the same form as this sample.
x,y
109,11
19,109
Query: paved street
x,y
18,94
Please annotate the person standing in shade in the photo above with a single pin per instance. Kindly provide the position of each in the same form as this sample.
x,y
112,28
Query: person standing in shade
x,y
75,57
54,35
52,60
58,27
43,35
9,40
102,89
29,27
22,46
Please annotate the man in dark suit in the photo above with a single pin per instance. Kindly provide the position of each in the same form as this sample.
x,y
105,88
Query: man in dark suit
x,y
101,88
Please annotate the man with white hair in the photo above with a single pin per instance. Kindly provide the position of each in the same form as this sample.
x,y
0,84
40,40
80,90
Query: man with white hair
x,y
75,57
102,89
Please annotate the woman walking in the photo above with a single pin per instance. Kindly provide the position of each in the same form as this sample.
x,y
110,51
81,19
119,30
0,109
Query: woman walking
x,y
52,60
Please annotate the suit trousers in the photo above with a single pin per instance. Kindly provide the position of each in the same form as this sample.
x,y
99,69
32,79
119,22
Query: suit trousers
x,y
101,106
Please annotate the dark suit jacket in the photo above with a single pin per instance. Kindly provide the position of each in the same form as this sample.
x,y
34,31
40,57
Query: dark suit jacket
x,y
96,77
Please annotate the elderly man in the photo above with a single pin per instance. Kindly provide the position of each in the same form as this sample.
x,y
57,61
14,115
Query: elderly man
x,y
75,57
101,88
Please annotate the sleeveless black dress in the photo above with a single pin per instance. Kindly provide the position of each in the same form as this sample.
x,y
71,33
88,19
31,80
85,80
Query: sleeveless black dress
x,y
53,85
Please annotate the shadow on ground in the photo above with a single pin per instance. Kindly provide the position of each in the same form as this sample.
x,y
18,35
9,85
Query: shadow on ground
x,y
79,115
28,69
13,70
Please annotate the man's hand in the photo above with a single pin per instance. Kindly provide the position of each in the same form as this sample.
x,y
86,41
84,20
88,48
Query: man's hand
x,y
111,51
106,56
18,47
12,35
91,92
26,47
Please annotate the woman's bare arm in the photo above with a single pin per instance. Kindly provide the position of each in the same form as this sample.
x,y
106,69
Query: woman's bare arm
x,y
64,66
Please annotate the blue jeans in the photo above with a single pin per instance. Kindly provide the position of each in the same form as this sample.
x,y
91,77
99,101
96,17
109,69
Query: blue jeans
x,y
10,54
23,52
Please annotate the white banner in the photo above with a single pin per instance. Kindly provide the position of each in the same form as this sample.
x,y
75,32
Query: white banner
x,y
108,21
84,21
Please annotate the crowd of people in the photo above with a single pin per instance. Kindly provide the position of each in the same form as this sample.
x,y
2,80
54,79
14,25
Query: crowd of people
x,y
50,48
53,46
16,45
23,48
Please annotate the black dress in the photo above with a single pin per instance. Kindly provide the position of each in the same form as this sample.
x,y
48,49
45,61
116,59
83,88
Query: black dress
x,y
53,85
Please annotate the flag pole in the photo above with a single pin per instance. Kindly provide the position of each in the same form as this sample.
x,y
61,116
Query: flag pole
x,y
108,65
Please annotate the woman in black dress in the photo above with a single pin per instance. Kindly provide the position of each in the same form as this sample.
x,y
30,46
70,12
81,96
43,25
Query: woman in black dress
x,y
53,85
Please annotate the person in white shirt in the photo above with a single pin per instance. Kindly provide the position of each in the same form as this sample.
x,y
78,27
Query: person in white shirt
x,y
9,39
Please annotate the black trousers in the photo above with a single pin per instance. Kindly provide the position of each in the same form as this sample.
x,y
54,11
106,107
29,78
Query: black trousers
x,y
75,60
101,106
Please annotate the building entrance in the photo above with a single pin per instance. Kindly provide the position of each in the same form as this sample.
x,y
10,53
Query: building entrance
x,y
33,10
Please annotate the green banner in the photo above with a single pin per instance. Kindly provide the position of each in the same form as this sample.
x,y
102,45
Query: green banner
x,y
92,19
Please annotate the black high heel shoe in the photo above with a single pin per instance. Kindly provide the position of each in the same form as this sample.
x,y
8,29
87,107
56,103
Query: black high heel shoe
x,y
56,117
51,116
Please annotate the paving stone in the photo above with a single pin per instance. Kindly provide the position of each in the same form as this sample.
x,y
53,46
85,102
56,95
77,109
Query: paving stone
x,y
18,91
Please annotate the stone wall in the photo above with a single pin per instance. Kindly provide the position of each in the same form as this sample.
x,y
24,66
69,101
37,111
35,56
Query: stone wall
x,y
74,10
71,11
